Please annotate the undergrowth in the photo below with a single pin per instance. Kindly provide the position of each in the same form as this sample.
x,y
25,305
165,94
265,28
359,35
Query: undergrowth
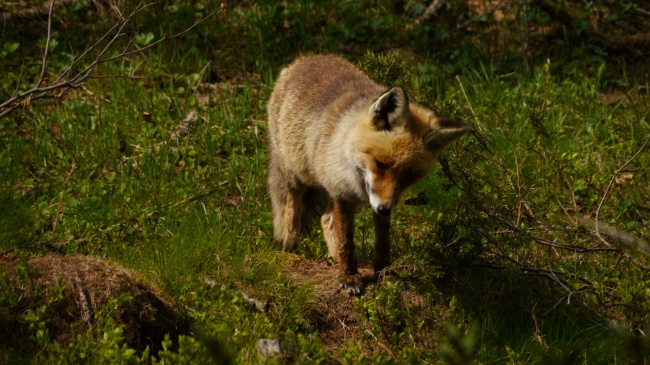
x,y
527,245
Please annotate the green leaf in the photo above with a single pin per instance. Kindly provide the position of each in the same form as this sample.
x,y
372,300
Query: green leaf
x,y
10,47
143,39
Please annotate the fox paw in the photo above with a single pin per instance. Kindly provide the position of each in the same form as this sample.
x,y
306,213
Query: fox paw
x,y
351,284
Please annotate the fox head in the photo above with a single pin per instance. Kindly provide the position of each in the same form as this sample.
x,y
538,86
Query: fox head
x,y
398,144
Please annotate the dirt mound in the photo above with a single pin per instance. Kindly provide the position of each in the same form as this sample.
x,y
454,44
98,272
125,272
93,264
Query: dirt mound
x,y
88,284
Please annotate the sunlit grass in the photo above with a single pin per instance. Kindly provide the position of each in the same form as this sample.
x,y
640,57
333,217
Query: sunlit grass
x,y
128,176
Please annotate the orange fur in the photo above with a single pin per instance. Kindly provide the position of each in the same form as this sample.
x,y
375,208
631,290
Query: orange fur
x,y
333,130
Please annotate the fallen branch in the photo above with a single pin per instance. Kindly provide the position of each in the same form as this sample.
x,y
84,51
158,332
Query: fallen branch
x,y
86,309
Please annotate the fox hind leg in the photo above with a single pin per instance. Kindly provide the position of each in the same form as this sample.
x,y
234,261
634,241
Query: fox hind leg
x,y
286,194
327,223
278,200
292,219
277,188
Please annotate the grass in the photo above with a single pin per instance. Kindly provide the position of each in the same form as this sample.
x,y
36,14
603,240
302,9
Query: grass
x,y
119,170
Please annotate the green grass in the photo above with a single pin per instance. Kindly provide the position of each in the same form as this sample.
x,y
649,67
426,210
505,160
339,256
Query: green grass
x,y
186,211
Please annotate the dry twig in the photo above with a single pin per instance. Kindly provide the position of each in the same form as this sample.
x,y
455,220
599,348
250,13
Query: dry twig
x,y
430,12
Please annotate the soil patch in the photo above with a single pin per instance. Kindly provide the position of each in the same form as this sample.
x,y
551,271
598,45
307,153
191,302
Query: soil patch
x,y
333,310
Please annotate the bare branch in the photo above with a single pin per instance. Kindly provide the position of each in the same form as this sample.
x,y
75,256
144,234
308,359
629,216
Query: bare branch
x,y
600,206
572,247
611,181
119,77
47,45
86,72
20,82
68,79
164,38
101,39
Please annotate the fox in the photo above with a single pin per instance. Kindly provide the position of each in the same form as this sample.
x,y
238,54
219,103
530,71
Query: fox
x,y
337,140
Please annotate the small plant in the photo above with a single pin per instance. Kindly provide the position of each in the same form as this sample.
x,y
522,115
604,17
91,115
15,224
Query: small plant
x,y
461,348
390,69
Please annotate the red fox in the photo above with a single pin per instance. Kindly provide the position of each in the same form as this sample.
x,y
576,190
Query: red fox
x,y
335,133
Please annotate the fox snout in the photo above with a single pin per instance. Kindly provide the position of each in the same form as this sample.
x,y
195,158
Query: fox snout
x,y
382,194
383,210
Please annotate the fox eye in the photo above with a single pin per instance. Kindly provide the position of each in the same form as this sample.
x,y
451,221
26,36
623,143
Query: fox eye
x,y
381,165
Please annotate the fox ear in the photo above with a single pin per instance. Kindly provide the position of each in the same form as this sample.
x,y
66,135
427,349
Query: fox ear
x,y
390,110
443,132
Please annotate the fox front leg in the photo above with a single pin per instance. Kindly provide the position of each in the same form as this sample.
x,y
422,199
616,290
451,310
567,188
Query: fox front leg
x,y
381,258
349,277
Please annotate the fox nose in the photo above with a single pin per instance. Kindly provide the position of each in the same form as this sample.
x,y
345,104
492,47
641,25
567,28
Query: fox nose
x,y
383,210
